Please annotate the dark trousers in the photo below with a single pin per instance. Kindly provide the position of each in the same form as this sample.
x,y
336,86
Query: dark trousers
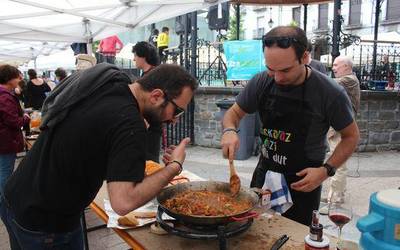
x,y
22,238
163,56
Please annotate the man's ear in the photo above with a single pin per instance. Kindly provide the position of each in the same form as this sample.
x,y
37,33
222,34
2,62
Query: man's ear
x,y
156,96
304,58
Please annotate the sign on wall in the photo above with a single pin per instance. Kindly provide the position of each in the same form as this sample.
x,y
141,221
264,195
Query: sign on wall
x,y
244,59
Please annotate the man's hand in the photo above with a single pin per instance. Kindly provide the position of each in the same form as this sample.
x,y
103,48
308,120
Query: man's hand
x,y
313,177
176,153
230,144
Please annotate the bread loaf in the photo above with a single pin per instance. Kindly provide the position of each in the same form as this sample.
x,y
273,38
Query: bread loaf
x,y
128,220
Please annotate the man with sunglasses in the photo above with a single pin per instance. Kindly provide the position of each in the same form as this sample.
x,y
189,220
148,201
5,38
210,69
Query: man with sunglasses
x,y
93,130
297,105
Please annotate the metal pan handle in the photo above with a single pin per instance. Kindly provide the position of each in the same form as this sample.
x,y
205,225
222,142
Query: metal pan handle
x,y
246,216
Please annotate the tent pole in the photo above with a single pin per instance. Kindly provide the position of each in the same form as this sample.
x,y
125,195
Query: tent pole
x,y
305,17
193,55
377,12
89,46
336,29
237,21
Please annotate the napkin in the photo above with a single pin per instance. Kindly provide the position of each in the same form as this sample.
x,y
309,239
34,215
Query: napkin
x,y
280,200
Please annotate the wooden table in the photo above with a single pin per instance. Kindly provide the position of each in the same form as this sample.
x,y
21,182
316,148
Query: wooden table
x,y
261,235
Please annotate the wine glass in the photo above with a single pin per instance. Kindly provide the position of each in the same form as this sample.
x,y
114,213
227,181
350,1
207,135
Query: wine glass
x,y
340,211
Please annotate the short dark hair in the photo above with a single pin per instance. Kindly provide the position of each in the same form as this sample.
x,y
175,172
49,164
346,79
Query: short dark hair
x,y
298,35
169,78
60,73
32,74
148,51
164,29
7,73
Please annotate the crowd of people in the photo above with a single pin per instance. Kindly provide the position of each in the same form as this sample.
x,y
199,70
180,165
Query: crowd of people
x,y
100,124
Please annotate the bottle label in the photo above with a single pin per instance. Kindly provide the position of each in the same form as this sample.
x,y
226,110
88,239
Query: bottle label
x,y
266,199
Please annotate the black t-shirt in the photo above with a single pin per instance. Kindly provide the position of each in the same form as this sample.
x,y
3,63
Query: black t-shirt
x,y
102,138
328,100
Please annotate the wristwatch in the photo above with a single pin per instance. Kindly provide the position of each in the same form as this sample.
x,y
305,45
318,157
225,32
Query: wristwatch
x,y
330,170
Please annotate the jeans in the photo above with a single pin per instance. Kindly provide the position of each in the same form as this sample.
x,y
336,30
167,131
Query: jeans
x,y
7,162
22,238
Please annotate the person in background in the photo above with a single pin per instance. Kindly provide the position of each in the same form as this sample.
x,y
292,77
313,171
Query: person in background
x,y
153,37
12,119
297,105
36,90
162,43
343,70
93,131
385,68
60,74
315,64
109,47
146,58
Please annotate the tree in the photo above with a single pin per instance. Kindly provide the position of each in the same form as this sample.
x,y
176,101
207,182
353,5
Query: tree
x,y
232,26
293,23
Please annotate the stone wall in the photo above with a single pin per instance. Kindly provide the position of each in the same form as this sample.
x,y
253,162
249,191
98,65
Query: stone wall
x,y
378,119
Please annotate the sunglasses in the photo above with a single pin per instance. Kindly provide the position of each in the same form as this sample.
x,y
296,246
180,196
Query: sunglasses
x,y
281,42
178,110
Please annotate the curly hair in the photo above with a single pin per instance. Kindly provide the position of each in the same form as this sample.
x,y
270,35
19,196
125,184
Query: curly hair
x,y
169,78
148,52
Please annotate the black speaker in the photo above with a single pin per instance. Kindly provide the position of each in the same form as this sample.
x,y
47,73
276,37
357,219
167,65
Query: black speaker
x,y
180,25
218,22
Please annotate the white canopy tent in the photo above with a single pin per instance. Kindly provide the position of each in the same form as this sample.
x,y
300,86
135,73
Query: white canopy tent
x,y
67,21
64,59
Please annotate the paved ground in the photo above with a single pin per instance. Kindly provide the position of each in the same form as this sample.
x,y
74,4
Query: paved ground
x,y
368,173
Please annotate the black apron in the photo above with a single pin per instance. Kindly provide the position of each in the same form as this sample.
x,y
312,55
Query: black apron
x,y
285,128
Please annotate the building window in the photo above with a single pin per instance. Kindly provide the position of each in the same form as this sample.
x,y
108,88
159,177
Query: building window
x,y
393,10
355,12
260,30
323,16
296,15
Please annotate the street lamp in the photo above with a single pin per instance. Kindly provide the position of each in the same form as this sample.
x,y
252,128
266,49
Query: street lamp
x,y
270,22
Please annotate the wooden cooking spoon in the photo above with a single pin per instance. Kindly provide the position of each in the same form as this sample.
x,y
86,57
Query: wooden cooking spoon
x,y
234,181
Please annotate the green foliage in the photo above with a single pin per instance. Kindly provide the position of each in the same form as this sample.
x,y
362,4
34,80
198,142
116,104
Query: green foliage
x,y
293,23
232,26
95,46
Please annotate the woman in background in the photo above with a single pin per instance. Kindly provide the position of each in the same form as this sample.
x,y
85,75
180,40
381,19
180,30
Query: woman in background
x,y
12,119
36,90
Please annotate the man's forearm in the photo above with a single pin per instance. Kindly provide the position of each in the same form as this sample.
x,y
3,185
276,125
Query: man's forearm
x,y
231,118
152,184
136,195
343,151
